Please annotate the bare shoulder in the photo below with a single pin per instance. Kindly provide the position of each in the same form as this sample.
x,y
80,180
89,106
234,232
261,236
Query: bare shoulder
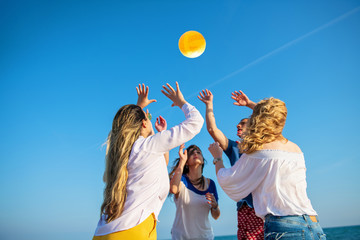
x,y
280,145
292,147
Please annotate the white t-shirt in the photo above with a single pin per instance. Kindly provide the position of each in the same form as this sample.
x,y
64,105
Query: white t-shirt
x,y
192,212
276,179
148,182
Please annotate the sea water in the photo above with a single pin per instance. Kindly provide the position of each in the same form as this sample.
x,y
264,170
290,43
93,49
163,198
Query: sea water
x,y
336,233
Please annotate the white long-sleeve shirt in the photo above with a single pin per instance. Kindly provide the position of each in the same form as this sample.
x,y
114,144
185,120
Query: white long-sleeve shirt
x,y
276,179
148,182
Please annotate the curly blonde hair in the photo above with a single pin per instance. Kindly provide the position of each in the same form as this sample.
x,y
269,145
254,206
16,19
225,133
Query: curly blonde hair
x,y
265,125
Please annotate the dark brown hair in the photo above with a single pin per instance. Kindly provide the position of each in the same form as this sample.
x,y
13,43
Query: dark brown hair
x,y
190,150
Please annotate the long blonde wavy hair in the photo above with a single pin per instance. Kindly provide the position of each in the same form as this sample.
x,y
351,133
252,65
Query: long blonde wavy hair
x,y
265,125
125,131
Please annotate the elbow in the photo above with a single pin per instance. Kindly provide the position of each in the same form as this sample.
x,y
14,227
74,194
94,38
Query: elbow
x,y
200,120
201,123
210,130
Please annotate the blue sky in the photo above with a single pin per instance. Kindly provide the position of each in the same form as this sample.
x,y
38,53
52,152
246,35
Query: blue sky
x,y
66,67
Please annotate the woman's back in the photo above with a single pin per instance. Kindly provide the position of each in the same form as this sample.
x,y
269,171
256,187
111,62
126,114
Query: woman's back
x,y
276,178
273,170
148,184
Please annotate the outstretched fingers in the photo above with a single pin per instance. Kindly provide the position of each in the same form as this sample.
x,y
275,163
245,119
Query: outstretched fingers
x,y
165,93
204,95
171,88
234,98
140,89
143,92
235,94
201,94
175,96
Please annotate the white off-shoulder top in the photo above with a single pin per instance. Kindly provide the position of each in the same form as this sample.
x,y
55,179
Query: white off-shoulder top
x,y
276,179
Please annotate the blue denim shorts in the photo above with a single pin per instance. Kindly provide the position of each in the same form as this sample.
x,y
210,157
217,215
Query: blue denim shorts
x,y
292,227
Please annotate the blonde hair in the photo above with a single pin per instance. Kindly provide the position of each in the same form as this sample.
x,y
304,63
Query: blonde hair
x,y
265,125
125,131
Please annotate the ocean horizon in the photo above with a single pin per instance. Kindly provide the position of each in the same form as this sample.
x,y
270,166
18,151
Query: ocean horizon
x,y
332,233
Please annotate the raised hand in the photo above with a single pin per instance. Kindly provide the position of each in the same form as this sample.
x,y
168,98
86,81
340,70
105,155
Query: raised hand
x,y
143,93
160,124
206,96
240,98
175,96
182,155
215,150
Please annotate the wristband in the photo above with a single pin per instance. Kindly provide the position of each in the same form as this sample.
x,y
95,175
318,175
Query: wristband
x,y
216,160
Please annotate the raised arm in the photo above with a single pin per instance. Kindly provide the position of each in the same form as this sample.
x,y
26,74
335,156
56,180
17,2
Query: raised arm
x,y
216,152
242,100
244,177
168,139
176,178
206,97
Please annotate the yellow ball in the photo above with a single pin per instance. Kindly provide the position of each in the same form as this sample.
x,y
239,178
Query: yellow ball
x,y
192,44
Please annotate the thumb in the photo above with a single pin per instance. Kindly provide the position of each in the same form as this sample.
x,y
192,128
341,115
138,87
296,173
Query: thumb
x,y
173,104
152,100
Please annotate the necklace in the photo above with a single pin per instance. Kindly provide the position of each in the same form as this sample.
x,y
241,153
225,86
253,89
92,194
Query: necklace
x,y
200,181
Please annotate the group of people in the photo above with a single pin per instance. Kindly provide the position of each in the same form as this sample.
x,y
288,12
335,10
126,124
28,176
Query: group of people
x,y
267,176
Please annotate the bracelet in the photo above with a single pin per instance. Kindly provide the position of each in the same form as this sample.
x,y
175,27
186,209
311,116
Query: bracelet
x,y
216,160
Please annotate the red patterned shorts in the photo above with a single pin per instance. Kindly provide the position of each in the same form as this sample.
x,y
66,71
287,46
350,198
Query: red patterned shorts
x,y
250,226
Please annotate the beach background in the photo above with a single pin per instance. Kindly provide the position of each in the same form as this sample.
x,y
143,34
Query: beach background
x,y
66,67
338,233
